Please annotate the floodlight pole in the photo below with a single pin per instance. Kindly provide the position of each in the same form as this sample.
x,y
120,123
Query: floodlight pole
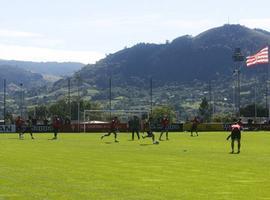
x,y
255,102
4,111
21,100
84,128
35,112
238,57
239,90
78,87
211,102
267,90
151,96
69,102
234,99
110,96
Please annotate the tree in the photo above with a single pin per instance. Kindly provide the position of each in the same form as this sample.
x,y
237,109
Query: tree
x,y
223,118
61,108
84,105
205,110
249,111
40,112
159,111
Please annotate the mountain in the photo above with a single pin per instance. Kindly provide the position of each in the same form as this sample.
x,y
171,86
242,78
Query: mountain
x,y
185,59
16,76
46,68
181,71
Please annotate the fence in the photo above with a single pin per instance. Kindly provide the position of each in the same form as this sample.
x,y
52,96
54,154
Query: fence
x,y
103,127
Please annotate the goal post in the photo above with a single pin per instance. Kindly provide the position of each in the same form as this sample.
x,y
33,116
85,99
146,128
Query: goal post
x,y
92,117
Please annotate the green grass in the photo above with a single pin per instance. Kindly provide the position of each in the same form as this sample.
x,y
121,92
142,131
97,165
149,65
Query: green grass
x,y
81,166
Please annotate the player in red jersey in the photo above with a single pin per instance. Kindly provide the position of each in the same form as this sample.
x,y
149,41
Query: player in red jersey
x,y
113,129
56,126
19,126
165,126
235,135
194,126
29,127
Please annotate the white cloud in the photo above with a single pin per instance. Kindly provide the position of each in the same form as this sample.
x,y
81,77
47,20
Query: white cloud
x,y
21,38
21,34
12,52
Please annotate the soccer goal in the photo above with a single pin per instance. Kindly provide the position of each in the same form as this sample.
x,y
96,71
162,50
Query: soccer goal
x,y
92,117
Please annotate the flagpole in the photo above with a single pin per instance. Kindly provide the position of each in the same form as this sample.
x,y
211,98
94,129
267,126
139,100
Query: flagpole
x,y
110,96
267,86
239,91
255,101
5,91
151,96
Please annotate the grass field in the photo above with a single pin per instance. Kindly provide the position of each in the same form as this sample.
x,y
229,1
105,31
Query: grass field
x,y
81,166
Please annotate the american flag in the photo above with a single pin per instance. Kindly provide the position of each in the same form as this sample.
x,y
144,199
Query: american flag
x,y
259,58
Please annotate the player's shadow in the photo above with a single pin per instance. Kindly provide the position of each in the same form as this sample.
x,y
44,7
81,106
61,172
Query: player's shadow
x,y
145,144
107,142
235,153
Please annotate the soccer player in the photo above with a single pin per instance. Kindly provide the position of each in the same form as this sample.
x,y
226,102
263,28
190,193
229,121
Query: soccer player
x,y
113,129
235,135
239,122
194,126
165,126
135,127
56,126
19,126
149,132
29,127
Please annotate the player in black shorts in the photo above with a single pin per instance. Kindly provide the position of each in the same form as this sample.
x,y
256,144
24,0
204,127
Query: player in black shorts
x,y
194,126
165,127
29,127
19,126
149,132
56,124
235,135
113,129
134,126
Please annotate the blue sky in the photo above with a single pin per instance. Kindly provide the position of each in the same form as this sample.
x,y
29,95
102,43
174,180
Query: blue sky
x,y
87,30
